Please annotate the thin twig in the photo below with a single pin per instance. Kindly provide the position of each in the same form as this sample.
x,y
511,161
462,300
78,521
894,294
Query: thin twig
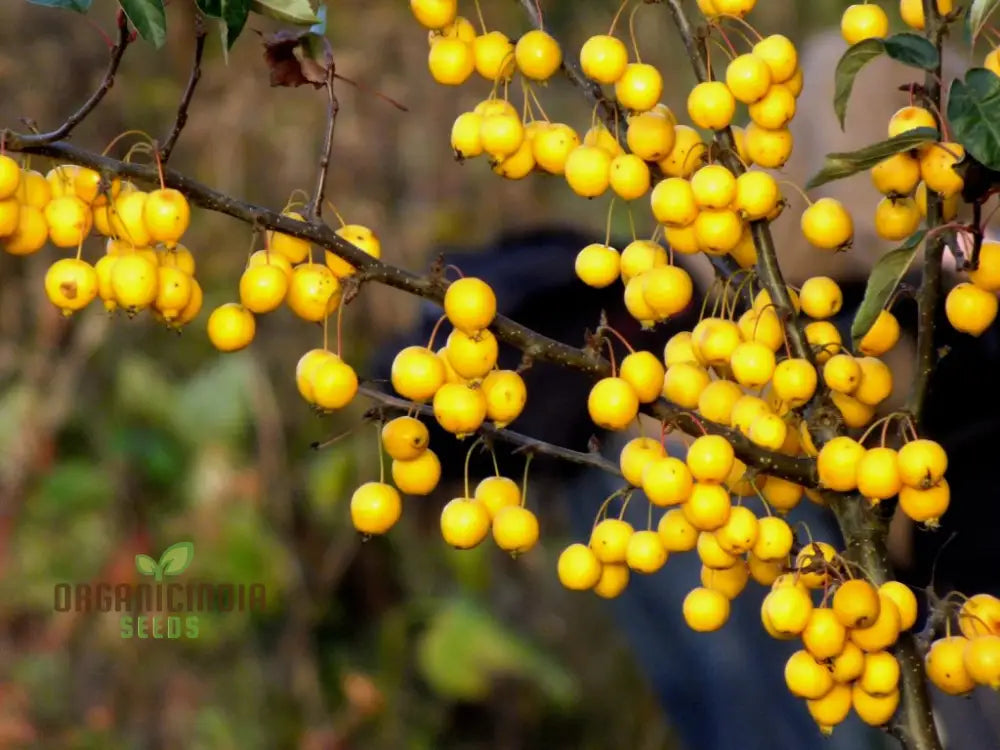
x,y
88,106
182,109
333,107
524,443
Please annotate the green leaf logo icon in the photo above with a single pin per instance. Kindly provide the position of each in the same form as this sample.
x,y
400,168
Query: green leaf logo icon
x,y
174,561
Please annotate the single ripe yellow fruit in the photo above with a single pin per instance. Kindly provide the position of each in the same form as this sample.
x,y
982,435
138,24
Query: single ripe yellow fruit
x,y
266,258
786,611
708,506
551,147
639,88
71,284
515,529
610,539
898,174
464,522
912,12
872,710
362,238
753,364
769,149
945,665
882,336
794,381
496,493
459,408
493,53
837,463
334,384
676,532
293,248
716,401
848,664
781,494
613,403
417,373
842,373
166,214
650,136
134,279
519,165
587,170
775,110
683,384
806,677
538,55
711,105
506,395
705,610
306,368
937,168
827,225
824,636
857,604
614,579
450,61
404,438
33,189
667,290
970,309
640,256
713,186
739,533
644,372
774,539
667,481
982,661
313,292
603,58
925,506
718,231
600,136
821,297
710,458
578,567
173,292
598,265
645,552
466,140
878,474
863,21
472,356
729,582
629,177
434,14
780,55
832,709
896,218
922,463
418,476
470,305
375,508
748,78
768,431
231,326
757,194
263,288
69,220
987,273
673,202
178,257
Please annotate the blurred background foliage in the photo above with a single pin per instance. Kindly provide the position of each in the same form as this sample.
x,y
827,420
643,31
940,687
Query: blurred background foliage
x,y
118,436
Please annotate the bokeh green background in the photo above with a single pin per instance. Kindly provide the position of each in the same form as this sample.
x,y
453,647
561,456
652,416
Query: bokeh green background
x,y
118,436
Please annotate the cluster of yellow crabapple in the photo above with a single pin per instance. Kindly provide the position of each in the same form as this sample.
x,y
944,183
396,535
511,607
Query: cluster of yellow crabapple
x,y
143,266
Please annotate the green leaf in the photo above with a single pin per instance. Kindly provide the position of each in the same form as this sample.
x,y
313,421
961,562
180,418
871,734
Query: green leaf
x,y
80,6
978,15
974,114
909,49
299,12
913,50
232,13
149,19
850,64
885,277
176,558
146,565
840,165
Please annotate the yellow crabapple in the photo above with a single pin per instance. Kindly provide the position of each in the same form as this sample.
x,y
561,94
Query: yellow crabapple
x,y
450,61
970,309
748,78
639,87
711,105
538,55
650,136
780,55
925,506
587,170
493,53
769,149
465,523
552,147
459,408
603,58
945,665
912,12
688,153
578,568
775,110
863,21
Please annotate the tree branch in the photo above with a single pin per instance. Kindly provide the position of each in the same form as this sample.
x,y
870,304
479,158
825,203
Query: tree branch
x,y
525,444
117,52
929,294
182,109
533,344
333,107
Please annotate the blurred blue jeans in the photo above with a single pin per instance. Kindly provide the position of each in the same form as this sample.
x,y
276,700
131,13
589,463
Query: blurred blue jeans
x,y
726,690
